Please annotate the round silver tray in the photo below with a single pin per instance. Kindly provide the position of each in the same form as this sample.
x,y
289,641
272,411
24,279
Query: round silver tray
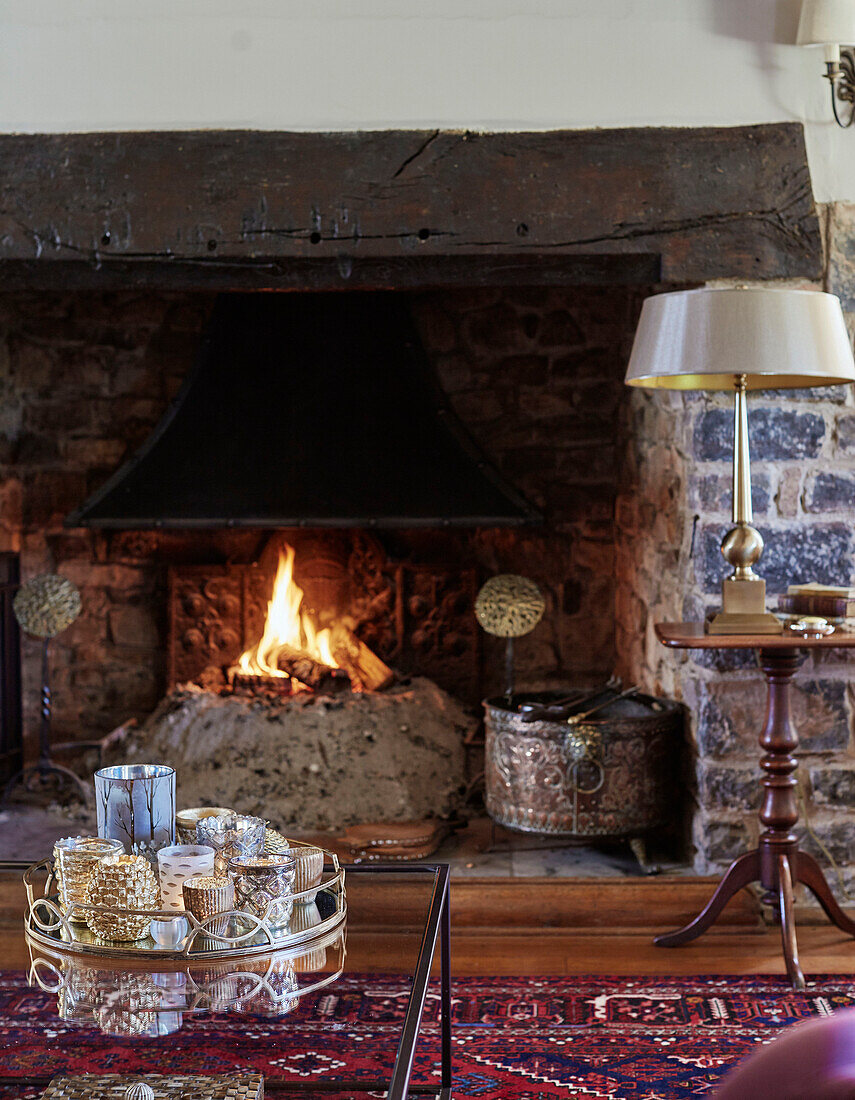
x,y
246,935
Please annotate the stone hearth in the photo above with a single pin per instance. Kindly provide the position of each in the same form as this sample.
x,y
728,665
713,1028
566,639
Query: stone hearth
x,y
314,762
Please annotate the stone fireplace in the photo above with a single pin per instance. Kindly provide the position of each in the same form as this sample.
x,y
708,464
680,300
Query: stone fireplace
x,y
525,307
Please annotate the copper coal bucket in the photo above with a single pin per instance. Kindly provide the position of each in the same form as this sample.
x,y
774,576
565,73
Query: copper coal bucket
x,y
610,775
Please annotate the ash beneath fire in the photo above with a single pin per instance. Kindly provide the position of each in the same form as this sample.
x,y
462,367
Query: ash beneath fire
x,y
310,761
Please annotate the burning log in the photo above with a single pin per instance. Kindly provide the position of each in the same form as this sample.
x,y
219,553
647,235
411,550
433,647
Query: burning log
x,y
292,647
315,675
365,669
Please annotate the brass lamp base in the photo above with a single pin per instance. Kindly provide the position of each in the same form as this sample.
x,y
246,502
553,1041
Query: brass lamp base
x,y
744,609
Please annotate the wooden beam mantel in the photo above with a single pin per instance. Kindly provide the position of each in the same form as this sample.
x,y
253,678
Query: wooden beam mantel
x,y
239,209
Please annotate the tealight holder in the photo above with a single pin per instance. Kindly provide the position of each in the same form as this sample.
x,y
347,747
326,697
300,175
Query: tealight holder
x,y
186,821
264,885
123,883
207,895
310,871
169,931
231,836
177,863
74,859
310,864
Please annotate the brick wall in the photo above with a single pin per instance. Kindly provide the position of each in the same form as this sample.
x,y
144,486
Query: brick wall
x,y
83,379
536,375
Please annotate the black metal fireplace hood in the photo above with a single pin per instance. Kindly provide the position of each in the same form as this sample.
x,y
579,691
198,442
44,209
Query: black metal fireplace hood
x,y
314,410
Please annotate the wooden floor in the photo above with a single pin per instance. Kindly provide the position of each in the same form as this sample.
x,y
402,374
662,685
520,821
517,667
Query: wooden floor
x,y
548,927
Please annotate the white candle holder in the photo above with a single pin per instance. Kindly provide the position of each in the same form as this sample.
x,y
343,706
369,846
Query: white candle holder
x,y
169,931
177,863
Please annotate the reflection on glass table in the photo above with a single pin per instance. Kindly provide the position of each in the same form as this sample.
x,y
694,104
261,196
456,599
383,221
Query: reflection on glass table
x,y
151,999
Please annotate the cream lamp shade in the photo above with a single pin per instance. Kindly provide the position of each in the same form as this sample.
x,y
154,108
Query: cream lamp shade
x,y
738,340
828,23
704,339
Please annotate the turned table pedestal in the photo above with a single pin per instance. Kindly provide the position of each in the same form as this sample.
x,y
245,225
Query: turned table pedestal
x,y
777,862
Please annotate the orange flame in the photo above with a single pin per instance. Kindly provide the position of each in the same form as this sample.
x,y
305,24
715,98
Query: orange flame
x,y
287,627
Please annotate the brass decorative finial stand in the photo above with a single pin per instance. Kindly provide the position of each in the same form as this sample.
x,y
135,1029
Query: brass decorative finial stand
x,y
743,593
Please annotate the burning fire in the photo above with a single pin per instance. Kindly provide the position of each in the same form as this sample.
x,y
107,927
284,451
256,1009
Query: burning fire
x,y
287,629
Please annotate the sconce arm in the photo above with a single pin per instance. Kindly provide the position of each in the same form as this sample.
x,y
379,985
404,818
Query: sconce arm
x,y
841,78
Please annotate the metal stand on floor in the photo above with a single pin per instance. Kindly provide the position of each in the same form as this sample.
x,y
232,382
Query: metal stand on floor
x,y
39,776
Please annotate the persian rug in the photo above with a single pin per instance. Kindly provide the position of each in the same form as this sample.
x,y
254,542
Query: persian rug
x,y
590,1038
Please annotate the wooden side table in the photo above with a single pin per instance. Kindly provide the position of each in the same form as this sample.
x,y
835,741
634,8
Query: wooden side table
x,y
777,862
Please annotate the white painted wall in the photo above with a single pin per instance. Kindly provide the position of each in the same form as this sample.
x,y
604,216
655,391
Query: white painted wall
x,y
477,64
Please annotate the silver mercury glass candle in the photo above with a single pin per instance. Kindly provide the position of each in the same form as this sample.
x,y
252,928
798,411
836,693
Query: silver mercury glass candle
x,y
229,837
264,886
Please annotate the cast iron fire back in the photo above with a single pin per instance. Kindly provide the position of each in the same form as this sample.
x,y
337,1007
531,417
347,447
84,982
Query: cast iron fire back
x,y
308,410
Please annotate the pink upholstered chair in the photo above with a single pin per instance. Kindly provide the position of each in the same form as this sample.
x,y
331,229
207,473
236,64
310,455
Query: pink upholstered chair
x,y
810,1061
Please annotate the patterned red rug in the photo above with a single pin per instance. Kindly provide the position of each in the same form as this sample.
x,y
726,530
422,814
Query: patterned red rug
x,y
529,1039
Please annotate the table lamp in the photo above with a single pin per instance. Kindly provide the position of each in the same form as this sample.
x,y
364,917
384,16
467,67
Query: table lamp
x,y
741,339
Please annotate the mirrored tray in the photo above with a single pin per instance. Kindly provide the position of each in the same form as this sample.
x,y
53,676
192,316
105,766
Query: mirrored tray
x,y
316,912
153,997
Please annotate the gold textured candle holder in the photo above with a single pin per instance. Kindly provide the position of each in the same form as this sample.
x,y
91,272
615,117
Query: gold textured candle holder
x,y
74,860
122,882
310,871
207,895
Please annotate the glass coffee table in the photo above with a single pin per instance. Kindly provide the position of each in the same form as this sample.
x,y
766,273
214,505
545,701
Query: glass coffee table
x,y
349,1012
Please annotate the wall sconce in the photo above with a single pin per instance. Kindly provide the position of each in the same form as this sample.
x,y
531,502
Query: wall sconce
x,y
829,23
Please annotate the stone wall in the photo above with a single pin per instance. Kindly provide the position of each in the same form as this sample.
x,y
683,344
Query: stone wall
x,y
536,375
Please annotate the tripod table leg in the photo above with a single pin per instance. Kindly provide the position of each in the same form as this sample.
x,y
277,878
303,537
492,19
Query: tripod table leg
x,y
809,872
788,923
743,870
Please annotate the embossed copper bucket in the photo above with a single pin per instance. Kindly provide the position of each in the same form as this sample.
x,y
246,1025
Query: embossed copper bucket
x,y
611,775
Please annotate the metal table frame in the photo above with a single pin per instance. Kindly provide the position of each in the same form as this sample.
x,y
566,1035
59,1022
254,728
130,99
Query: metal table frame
x,y
398,1087
437,927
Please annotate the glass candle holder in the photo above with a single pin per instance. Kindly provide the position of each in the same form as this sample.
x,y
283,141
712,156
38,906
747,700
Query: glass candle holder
x,y
185,821
229,837
169,931
177,863
74,860
264,886
135,804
